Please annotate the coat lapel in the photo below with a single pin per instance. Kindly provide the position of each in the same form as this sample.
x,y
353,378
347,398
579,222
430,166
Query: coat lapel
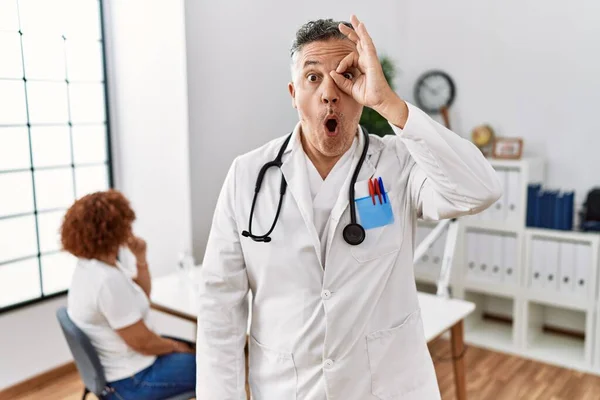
x,y
294,170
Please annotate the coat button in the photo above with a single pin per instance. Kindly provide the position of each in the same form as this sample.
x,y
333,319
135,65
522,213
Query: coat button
x,y
326,294
328,363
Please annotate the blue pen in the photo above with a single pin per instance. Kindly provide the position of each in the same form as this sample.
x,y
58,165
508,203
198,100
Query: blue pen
x,y
382,189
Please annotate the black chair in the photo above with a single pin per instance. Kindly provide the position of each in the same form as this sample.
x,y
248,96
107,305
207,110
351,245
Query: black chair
x,y
87,361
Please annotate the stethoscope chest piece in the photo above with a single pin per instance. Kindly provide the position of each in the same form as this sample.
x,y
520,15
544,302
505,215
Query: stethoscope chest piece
x,y
354,234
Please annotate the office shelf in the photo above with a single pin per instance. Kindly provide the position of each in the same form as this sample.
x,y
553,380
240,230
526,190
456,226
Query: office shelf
x,y
559,350
552,299
549,335
561,268
493,323
492,288
577,236
491,335
513,309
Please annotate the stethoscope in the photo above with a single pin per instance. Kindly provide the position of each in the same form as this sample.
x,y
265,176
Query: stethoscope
x,y
353,233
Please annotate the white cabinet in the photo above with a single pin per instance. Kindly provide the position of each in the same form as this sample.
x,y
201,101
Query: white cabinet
x,y
536,290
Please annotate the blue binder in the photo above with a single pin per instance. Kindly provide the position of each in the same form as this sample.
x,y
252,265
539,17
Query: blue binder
x,y
550,209
537,209
558,219
568,210
532,193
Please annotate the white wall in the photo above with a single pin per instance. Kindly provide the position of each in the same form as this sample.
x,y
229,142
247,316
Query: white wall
x,y
529,68
238,71
147,78
149,113
31,342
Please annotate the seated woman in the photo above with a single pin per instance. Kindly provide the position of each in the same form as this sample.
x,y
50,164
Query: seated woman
x,y
112,307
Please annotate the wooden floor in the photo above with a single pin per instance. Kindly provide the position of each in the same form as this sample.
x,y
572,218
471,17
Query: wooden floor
x,y
490,376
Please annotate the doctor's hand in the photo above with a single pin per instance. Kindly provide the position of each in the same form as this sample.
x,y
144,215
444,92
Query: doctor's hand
x,y
367,83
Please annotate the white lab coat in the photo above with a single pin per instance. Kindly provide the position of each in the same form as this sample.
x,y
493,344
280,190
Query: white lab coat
x,y
347,330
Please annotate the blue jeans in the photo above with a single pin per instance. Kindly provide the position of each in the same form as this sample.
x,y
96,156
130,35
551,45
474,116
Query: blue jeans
x,y
171,374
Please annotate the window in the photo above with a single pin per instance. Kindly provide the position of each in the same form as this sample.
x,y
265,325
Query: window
x,y
54,137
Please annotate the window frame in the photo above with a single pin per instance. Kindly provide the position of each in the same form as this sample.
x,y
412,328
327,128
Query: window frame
x,y
109,169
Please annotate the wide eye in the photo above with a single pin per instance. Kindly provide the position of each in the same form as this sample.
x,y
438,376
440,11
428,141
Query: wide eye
x,y
312,77
348,75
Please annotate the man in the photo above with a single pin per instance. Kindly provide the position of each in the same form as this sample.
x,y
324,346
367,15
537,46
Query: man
x,y
334,316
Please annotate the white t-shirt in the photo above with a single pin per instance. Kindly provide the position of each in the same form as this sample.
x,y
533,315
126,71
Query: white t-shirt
x,y
325,192
101,299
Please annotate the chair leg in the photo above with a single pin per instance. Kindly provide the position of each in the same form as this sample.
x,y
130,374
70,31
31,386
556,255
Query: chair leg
x,y
85,393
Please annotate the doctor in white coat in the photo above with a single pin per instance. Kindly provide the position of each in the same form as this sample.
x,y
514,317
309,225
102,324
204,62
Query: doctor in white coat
x,y
334,316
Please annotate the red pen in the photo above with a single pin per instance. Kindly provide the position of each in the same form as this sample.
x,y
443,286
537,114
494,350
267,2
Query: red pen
x,y
377,191
371,191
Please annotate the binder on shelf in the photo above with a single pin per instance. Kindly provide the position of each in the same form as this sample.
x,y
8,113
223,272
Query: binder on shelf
x,y
558,217
551,209
541,215
509,265
551,265
583,265
537,208
532,192
497,258
537,264
568,210
484,252
472,254
498,209
513,194
566,267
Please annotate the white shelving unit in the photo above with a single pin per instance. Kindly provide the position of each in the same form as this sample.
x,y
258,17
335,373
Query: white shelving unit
x,y
558,348
535,290
560,294
492,325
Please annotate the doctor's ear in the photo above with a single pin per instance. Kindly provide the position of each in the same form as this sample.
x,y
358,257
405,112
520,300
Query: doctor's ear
x,y
292,90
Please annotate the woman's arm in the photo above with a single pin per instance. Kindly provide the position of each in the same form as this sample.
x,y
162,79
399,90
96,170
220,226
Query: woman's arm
x,y
143,277
138,248
144,341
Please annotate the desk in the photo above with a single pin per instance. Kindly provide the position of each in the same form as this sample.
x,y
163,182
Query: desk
x,y
176,295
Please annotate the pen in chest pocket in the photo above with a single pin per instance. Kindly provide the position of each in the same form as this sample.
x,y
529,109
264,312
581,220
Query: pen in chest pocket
x,y
377,214
376,189
382,190
372,191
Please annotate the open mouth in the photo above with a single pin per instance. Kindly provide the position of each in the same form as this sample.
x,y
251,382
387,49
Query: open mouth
x,y
331,124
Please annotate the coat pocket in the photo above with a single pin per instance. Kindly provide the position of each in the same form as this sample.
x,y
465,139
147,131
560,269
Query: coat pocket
x,y
382,240
272,374
399,359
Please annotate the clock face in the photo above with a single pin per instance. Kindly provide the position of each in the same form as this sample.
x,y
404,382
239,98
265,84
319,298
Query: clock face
x,y
434,90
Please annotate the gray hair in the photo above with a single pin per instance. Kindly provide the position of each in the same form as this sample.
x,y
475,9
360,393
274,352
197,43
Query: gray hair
x,y
312,31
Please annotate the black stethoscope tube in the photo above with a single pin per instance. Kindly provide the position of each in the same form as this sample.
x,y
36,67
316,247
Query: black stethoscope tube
x,y
353,233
